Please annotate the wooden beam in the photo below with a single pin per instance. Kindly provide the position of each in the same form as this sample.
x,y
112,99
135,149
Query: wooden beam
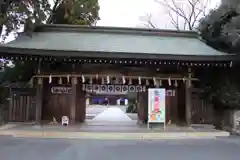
x,y
120,72
117,76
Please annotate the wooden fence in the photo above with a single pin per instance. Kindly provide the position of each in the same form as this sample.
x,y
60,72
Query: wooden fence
x,y
202,110
22,105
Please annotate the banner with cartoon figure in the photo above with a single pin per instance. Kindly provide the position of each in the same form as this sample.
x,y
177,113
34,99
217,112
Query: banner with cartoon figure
x,y
156,105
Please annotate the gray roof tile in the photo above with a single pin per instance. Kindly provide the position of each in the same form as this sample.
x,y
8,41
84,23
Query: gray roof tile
x,y
108,41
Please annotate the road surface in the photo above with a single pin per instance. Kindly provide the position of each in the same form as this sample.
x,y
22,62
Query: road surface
x,y
66,149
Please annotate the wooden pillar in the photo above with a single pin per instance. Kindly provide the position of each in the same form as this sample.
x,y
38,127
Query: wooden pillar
x,y
10,113
112,100
81,104
138,107
188,97
143,105
73,101
39,98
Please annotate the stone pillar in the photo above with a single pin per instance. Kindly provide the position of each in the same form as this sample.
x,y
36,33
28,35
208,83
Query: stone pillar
x,y
125,102
73,101
87,102
39,99
118,102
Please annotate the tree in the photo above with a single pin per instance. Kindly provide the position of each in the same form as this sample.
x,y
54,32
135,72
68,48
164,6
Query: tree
x,y
183,14
63,12
221,28
230,2
81,12
15,14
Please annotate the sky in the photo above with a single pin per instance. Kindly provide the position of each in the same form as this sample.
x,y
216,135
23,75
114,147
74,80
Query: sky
x,y
124,13
133,13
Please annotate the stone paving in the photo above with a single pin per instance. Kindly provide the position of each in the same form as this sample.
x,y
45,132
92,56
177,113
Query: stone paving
x,y
112,114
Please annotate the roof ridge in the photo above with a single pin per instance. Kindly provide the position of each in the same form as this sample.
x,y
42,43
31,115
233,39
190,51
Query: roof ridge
x,y
115,30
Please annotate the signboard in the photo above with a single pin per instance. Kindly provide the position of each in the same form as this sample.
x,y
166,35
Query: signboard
x,y
61,90
156,105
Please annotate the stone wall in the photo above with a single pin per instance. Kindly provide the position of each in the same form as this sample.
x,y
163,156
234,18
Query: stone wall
x,y
227,120
236,121
231,121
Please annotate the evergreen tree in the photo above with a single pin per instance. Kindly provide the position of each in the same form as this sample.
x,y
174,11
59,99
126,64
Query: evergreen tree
x,y
221,29
80,12
15,14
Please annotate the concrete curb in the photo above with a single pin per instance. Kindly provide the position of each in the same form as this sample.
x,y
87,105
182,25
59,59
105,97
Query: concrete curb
x,y
117,136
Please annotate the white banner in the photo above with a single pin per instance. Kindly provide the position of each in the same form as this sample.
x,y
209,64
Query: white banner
x,y
156,105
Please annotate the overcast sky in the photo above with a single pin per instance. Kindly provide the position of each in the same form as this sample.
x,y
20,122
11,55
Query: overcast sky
x,y
124,12
130,13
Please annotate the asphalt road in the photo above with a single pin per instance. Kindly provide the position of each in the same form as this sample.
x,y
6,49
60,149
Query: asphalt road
x,y
66,149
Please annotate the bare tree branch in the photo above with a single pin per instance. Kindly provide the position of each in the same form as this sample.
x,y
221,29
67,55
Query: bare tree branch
x,y
174,21
183,14
147,19
150,23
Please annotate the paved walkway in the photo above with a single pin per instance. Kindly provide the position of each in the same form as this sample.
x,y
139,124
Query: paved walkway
x,y
112,114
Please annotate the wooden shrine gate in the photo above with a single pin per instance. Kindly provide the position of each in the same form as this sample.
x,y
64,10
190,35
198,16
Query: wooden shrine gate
x,y
22,106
